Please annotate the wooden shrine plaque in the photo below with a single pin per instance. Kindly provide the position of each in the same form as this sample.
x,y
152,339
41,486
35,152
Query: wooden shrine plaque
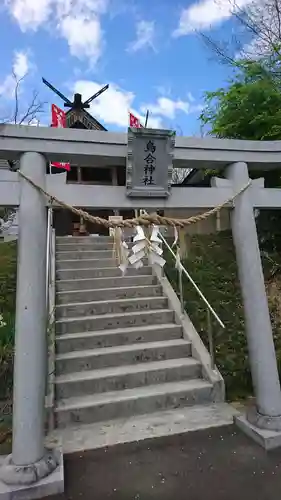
x,y
149,162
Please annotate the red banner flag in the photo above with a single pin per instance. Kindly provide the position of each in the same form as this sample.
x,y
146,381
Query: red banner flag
x,y
58,117
59,121
134,121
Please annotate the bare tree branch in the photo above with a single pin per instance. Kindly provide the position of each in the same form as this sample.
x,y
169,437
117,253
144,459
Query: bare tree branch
x,y
19,115
219,49
258,32
179,174
278,17
16,94
35,107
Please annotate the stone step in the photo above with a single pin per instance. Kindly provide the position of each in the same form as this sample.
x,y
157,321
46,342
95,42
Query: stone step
x,y
84,239
100,322
126,377
120,336
83,246
105,272
135,429
78,254
72,285
95,359
102,307
116,404
85,264
86,244
131,292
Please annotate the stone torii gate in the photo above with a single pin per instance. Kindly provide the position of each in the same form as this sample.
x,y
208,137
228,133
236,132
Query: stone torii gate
x,y
31,469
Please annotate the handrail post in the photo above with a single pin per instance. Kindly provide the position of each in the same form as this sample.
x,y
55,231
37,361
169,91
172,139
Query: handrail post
x,y
211,338
49,236
51,334
181,288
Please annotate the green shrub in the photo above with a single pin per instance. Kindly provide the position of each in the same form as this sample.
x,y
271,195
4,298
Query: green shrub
x,y
6,355
8,272
8,255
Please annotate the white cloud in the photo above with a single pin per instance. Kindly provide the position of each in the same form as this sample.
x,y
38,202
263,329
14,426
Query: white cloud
x,y
78,21
80,7
7,87
205,14
20,68
145,35
168,107
113,106
190,97
153,121
90,43
30,14
21,64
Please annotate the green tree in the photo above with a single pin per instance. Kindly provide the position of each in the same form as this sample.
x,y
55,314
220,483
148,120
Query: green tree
x,y
249,107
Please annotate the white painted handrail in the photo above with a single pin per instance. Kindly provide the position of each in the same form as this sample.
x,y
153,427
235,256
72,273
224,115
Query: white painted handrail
x,y
48,252
50,314
212,311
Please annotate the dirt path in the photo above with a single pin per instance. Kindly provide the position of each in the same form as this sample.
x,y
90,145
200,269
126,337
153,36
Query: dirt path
x,y
216,465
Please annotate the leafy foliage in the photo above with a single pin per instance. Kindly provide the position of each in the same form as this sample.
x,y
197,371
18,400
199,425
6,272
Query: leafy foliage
x,y
6,356
8,258
249,107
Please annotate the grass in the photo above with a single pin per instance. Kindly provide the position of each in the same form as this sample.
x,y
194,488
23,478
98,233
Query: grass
x,y
8,256
7,310
6,356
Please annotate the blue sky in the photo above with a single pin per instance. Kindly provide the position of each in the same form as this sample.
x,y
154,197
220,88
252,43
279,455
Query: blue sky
x,y
147,50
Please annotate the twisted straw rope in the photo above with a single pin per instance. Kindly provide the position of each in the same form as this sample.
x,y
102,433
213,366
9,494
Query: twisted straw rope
x,y
143,220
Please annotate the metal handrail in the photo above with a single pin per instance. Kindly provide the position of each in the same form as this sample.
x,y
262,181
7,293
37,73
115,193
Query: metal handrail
x,y
212,311
52,274
50,314
48,254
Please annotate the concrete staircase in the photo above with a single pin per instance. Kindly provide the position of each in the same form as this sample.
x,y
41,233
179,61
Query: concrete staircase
x,y
121,349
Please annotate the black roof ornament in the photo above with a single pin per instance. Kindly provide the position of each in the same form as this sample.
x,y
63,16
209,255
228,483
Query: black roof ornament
x,y
77,103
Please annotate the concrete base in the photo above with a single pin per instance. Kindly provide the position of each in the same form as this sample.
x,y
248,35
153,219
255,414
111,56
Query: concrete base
x,y
50,485
268,439
262,421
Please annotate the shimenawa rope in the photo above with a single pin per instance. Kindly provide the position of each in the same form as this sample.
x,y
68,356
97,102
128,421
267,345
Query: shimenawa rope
x,y
143,220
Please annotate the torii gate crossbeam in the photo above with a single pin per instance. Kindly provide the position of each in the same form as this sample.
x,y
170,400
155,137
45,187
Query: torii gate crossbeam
x,y
33,147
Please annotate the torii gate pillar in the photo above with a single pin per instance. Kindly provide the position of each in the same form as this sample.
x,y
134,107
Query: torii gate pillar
x,y
267,414
24,472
